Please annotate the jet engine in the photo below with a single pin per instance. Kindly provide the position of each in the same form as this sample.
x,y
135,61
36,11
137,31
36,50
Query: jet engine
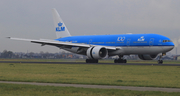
x,y
147,57
96,52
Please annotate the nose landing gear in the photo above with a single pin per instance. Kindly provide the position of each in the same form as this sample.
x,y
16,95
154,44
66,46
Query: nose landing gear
x,y
160,61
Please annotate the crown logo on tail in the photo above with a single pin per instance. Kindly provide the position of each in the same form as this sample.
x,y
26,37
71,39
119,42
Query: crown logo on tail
x,y
60,24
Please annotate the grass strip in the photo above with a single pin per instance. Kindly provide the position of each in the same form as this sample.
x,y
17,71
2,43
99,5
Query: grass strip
x,y
141,76
33,90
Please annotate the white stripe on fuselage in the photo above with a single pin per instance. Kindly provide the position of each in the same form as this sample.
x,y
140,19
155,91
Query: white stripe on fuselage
x,y
127,50
146,49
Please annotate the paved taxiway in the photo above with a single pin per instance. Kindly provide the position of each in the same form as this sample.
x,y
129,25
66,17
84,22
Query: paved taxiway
x,y
89,63
98,86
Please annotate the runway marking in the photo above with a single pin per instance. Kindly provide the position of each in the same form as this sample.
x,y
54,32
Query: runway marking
x,y
98,86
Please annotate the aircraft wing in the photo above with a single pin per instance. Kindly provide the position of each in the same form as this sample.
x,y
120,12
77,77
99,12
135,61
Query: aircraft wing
x,y
61,44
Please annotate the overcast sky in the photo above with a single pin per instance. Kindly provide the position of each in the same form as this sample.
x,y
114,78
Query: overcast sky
x,y
33,19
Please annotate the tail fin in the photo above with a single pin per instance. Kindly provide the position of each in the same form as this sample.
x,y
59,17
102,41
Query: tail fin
x,y
60,28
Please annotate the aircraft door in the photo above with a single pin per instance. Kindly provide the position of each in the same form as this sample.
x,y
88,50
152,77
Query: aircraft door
x,y
90,41
151,41
128,42
160,42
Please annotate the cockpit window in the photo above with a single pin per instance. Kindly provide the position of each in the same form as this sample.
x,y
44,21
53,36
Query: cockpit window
x,y
167,41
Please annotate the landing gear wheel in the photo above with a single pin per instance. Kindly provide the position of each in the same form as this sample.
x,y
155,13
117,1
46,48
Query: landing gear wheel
x,y
115,60
91,60
124,61
120,61
160,61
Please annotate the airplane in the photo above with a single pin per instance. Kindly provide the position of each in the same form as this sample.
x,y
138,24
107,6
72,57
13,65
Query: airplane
x,y
95,47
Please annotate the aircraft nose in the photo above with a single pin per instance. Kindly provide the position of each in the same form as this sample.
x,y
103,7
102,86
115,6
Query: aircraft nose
x,y
171,43
168,48
172,46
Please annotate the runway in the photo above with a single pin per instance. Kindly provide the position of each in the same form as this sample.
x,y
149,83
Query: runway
x,y
99,86
89,63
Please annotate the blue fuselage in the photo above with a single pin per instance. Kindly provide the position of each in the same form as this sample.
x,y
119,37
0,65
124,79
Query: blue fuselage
x,y
121,40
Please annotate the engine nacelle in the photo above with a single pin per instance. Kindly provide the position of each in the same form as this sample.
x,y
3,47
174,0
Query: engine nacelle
x,y
147,57
96,52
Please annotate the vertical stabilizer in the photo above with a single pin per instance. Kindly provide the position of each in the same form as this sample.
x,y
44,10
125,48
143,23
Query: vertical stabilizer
x,y
60,28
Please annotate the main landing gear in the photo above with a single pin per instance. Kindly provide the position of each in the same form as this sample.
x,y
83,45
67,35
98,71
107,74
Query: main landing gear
x,y
91,60
120,60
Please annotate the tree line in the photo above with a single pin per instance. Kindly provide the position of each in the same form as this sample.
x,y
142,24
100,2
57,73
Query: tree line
x,y
41,55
